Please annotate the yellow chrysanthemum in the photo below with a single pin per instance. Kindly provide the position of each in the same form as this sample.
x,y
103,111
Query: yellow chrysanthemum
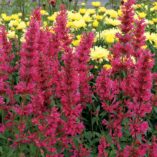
x,y
98,17
52,17
95,24
107,66
154,20
120,12
137,6
96,4
150,36
44,12
74,16
76,42
142,15
79,24
5,17
113,22
98,53
87,18
82,11
11,34
102,10
21,26
13,23
91,11
112,13
14,17
108,35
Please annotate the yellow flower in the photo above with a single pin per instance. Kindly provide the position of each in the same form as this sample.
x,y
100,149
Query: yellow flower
x,y
150,22
69,24
136,17
23,39
21,26
154,3
155,43
44,12
79,24
142,15
112,13
76,42
52,17
45,23
154,20
74,16
95,23
150,36
27,23
87,18
91,11
109,38
82,11
11,34
96,4
78,37
154,8
108,35
5,17
13,23
120,12
144,47
14,17
102,10
12,28
137,6
113,22
98,53
98,17
107,66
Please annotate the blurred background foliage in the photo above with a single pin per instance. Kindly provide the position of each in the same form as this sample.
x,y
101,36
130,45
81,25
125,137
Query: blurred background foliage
x,y
26,6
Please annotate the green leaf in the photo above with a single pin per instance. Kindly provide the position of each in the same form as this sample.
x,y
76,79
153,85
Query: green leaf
x,y
112,153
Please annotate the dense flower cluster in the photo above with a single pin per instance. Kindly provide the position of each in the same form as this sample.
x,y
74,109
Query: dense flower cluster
x,y
55,103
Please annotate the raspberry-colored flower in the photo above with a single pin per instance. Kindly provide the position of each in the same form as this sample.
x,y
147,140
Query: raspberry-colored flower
x,y
82,54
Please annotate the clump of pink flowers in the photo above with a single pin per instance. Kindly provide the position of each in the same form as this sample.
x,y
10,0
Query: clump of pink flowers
x,y
59,106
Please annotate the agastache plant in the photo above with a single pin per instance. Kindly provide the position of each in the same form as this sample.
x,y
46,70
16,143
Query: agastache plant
x,y
125,90
82,53
46,109
6,70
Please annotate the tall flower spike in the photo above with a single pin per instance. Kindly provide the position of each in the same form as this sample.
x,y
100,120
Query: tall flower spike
x,y
53,53
82,53
45,76
70,96
139,37
126,27
29,56
144,77
127,20
61,29
6,57
6,69
123,49
69,82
